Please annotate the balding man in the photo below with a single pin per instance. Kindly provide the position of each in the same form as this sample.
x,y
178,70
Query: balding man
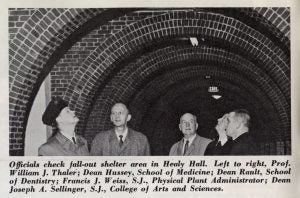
x,y
121,140
238,129
192,143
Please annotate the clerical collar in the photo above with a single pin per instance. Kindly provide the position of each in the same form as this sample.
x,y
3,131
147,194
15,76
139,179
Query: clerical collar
x,y
124,134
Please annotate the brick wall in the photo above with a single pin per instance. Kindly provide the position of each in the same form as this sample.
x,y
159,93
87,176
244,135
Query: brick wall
x,y
133,77
32,44
108,58
123,51
64,70
17,17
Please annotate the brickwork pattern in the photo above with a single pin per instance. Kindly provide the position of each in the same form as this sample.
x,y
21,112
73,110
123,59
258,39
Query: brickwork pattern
x,y
30,48
125,84
63,71
83,93
192,86
183,82
189,93
276,19
36,36
17,17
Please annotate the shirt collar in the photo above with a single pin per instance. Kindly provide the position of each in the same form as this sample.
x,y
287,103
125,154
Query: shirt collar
x,y
69,137
124,134
222,141
191,139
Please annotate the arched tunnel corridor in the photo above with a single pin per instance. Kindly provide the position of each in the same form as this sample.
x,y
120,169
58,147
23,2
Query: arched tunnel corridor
x,y
144,58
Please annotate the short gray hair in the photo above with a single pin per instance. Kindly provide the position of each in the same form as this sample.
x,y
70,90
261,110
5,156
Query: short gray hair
x,y
243,115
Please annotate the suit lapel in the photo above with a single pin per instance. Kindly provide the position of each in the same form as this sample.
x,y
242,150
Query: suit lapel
x,y
179,148
127,141
113,144
192,146
66,144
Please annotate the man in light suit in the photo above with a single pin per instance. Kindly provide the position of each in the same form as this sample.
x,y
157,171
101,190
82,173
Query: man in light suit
x,y
121,140
192,143
65,142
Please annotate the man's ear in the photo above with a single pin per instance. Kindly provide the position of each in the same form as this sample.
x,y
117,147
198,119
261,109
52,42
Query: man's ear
x,y
58,119
128,117
196,126
180,128
240,123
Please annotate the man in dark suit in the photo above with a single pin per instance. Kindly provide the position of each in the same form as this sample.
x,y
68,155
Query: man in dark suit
x,y
221,145
192,143
121,140
238,129
65,142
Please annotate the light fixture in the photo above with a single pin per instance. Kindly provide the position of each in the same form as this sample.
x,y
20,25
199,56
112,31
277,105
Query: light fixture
x,y
217,97
194,41
215,91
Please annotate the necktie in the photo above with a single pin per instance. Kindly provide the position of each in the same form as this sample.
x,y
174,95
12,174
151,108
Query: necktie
x,y
185,147
74,140
121,140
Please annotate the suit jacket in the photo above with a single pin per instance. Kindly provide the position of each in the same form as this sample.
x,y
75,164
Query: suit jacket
x,y
106,143
215,148
59,145
244,145
197,147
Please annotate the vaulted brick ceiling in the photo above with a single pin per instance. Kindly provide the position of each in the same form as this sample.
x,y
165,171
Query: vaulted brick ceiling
x,y
143,57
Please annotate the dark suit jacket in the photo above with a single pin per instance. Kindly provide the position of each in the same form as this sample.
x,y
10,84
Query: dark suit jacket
x,y
215,148
107,143
197,147
59,145
244,145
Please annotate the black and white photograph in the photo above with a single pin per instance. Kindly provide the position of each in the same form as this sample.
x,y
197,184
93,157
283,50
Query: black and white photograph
x,y
149,81
149,99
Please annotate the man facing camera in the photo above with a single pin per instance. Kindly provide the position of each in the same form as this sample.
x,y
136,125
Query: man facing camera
x,y
121,140
192,143
65,142
238,129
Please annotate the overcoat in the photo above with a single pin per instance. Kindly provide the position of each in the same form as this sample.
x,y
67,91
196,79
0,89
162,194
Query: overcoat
x,y
244,145
197,147
59,145
106,143
215,148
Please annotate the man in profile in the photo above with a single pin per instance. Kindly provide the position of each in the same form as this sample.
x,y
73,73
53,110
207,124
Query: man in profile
x,y
121,140
238,130
64,142
222,144
191,143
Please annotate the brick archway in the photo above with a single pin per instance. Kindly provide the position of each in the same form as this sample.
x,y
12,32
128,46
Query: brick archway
x,y
160,85
30,49
175,83
129,40
185,82
34,49
132,78
43,38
